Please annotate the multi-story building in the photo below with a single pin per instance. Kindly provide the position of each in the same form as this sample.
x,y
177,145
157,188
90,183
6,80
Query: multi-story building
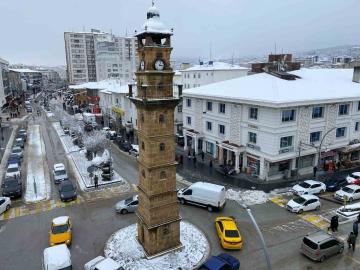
x,y
22,80
95,56
275,125
4,81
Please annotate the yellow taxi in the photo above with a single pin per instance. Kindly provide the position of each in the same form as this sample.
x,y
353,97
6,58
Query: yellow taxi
x,y
228,233
61,231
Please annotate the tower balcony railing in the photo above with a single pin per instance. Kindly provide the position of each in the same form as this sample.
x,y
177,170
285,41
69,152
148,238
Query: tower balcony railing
x,y
164,91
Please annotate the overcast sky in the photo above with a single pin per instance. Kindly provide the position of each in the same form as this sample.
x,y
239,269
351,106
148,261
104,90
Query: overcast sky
x,y
32,30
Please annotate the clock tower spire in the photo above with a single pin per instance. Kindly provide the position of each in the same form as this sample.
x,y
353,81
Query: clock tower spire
x,y
158,211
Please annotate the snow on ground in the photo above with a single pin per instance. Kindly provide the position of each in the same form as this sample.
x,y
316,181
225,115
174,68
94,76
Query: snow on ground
x,y
80,164
37,180
248,197
125,249
7,152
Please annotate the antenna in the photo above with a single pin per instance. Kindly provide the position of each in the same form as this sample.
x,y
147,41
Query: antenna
x,y
210,51
275,48
126,33
152,2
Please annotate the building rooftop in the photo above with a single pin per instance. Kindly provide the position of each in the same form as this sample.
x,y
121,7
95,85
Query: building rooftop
x,y
111,86
214,66
314,86
24,70
153,24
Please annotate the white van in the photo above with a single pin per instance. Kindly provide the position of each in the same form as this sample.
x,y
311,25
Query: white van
x,y
203,194
57,258
101,263
350,211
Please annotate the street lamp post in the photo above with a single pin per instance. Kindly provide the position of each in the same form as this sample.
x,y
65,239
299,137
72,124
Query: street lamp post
x,y
321,142
248,210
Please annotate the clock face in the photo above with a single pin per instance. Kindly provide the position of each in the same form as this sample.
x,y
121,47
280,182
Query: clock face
x,y
142,65
159,64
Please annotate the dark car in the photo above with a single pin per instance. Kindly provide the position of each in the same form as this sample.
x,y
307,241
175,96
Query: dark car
x,y
335,184
67,191
12,188
14,159
221,262
125,146
22,134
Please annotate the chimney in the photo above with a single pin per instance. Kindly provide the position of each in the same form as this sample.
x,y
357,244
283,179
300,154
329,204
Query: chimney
x,y
356,75
130,90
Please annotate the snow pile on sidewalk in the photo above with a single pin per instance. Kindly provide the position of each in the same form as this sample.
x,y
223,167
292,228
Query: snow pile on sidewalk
x,y
125,249
37,180
248,197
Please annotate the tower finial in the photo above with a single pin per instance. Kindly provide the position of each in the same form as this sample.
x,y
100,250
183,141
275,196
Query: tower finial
x,y
152,2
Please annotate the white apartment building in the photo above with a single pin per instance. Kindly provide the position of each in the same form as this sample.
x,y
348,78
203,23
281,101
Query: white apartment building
x,y
95,56
273,127
4,81
211,72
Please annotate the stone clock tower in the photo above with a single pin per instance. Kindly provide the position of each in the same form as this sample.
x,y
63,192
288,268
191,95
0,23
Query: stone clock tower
x,y
158,211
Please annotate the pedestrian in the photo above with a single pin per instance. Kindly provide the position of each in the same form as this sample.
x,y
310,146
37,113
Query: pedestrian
x,y
181,160
314,171
351,241
334,223
358,218
96,181
210,165
189,154
356,228
338,165
202,156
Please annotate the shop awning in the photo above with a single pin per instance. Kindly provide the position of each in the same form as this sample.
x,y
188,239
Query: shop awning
x,y
351,148
328,154
118,111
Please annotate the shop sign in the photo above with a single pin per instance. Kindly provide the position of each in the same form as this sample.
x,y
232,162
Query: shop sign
x,y
118,111
255,147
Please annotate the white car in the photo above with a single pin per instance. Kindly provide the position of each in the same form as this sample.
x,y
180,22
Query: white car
x,y
350,211
351,192
309,187
303,203
134,151
59,173
101,263
16,150
351,178
5,204
13,170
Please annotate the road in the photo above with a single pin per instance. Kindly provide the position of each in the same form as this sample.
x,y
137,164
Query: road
x,y
24,238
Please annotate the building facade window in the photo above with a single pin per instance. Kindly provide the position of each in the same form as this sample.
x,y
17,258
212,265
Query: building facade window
x,y
208,125
288,116
253,113
221,108
188,102
343,109
161,118
222,129
209,148
340,132
143,146
252,137
286,141
179,108
162,175
188,120
209,106
359,106
318,112
162,146
357,126
315,136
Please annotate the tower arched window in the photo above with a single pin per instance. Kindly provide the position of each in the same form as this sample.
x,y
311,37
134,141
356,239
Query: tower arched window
x,y
143,173
142,118
143,146
162,175
162,146
161,118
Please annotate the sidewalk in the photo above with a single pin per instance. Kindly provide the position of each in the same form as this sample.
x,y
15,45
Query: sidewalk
x,y
201,171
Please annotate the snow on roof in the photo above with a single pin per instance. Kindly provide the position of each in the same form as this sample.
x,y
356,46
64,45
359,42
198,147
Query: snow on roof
x,y
108,86
107,264
153,24
214,66
60,220
57,257
314,86
24,70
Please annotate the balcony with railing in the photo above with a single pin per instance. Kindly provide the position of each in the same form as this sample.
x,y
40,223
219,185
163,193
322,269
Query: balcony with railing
x,y
156,92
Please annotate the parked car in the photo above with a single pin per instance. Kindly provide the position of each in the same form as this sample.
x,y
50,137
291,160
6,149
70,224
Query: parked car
x,y
106,129
28,109
67,191
128,205
59,173
309,187
349,211
57,258
19,142
5,204
351,178
303,203
17,151
134,151
101,263
125,146
112,135
335,184
60,231
13,170
320,245
14,159
66,130
11,187
203,194
228,233
22,134
350,193
221,262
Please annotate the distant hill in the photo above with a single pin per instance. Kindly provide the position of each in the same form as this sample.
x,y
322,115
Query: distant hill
x,y
349,50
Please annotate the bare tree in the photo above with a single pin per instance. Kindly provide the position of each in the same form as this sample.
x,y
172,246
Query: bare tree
x,y
94,142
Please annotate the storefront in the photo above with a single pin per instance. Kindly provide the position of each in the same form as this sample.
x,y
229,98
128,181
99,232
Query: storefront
x,y
279,169
328,160
193,140
253,165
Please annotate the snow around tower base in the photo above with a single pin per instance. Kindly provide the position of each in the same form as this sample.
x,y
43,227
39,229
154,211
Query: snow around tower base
x,y
124,248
